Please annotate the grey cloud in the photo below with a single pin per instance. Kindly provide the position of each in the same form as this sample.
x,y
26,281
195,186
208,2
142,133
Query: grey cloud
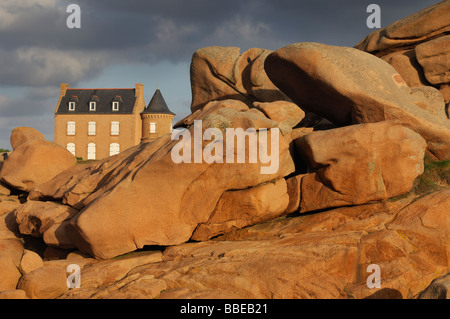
x,y
38,49
26,107
43,123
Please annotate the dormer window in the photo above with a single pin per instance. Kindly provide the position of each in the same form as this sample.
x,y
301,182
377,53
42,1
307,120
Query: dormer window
x,y
73,100
115,104
93,102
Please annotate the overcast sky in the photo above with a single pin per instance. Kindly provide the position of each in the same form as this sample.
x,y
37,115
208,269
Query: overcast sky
x,y
123,42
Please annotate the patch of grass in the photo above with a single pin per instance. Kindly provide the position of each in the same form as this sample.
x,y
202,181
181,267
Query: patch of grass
x,y
81,161
436,176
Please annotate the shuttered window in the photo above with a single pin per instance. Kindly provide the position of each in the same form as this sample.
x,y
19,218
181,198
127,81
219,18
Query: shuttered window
x,y
91,128
114,128
70,128
152,127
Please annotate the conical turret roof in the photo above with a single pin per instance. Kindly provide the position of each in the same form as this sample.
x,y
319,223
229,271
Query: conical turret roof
x,y
157,105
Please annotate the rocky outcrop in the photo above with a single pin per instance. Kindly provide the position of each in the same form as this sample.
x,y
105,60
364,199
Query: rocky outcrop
x,y
322,255
348,86
417,47
417,28
434,57
238,209
438,289
34,161
21,135
219,73
359,168
307,199
161,217
47,220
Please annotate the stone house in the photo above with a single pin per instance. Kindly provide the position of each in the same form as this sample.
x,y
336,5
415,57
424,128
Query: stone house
x,y
97,123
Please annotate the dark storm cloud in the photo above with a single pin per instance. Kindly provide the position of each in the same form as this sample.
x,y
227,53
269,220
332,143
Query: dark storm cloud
x,y
38,49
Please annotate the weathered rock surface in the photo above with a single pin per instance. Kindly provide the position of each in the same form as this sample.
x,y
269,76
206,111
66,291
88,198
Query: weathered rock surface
x,y
438,289
427,24
47,220
314,256
228,114
357,152
421,36
30,261
8,226
45,282
11,252
35,162
347,86
238,209
4,189
434,57
9,274
357,164
322,255
287,114
219,73
406,64
13,294
179,197
190,201
21,135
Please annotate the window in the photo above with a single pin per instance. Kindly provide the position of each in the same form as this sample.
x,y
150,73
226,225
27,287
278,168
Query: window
x,y
71,106
71,148
114,128
91,128
92,106
152,127
70,128
114,148
91,151
116,103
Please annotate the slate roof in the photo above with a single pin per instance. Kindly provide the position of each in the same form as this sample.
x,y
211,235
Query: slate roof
x,y
157,105
104,98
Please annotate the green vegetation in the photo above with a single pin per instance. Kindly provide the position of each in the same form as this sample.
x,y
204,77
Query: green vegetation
x,y
4,150
82,161
436,176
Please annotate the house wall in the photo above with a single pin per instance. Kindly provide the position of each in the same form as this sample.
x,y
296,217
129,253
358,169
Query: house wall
x,y
129,132
163,126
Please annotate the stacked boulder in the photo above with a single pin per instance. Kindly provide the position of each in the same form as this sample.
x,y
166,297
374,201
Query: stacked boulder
x,y
346,128
34,160
418,47
143,197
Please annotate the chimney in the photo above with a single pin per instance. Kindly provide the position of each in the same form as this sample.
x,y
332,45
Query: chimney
x,y
139,90
64,87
